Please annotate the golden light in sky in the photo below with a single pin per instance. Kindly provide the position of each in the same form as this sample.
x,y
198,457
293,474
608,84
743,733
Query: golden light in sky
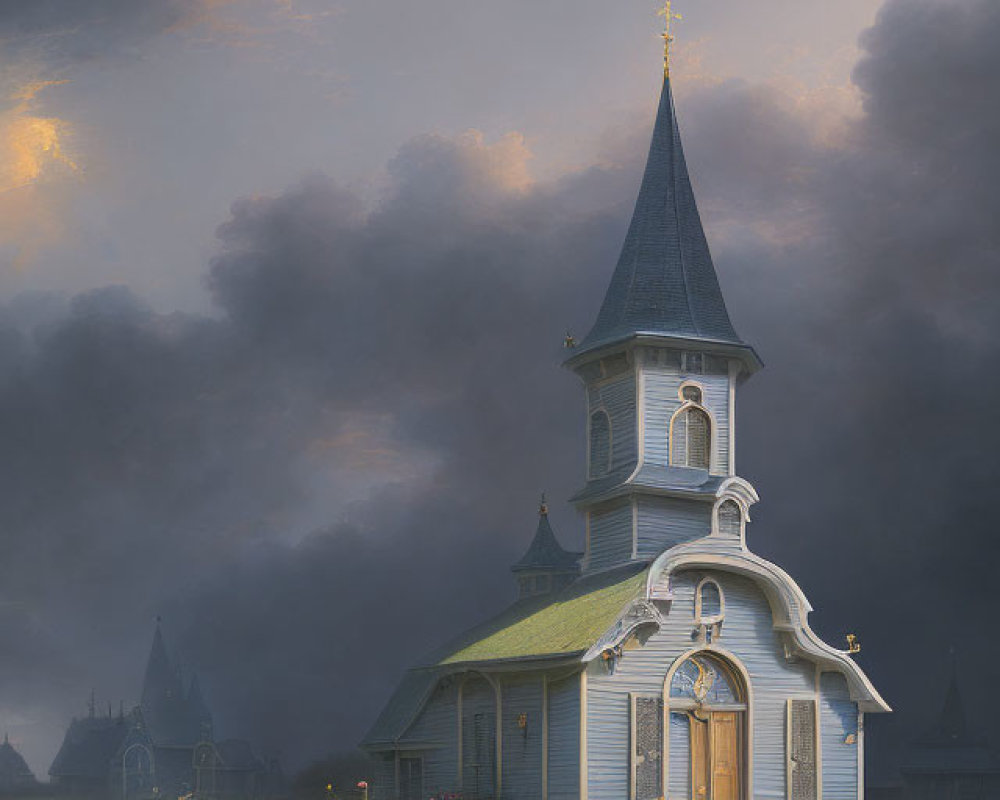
x,y
33,156
30,146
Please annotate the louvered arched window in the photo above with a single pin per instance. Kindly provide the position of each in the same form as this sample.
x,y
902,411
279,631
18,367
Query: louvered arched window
x,y
691,437
730,519
600,443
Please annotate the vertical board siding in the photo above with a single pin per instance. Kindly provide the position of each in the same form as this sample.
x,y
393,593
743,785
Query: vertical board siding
x,y
661,388
436,725
610,536
384,783
748,633
522,747
838,718
618,398
665,522
564,739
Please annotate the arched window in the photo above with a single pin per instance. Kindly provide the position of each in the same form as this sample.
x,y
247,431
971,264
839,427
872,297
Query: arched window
x,y
709,605
691,437
730,519
705,680
600,443
708,729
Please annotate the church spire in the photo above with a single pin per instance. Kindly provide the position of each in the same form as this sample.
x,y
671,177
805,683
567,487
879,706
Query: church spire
x,y
665,285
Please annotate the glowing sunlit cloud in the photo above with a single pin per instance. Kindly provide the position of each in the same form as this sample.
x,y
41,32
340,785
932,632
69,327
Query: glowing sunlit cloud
x,y
34,156
30,145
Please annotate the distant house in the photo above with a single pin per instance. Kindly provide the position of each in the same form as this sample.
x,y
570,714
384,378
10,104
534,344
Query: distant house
x,y
163,748
15,775
669,660
949,761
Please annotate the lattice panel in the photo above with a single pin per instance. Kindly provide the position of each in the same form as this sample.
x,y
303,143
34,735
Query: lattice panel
x,y
802,749
648,748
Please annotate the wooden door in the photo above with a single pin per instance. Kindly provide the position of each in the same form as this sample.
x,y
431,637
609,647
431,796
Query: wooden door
x,y
725,745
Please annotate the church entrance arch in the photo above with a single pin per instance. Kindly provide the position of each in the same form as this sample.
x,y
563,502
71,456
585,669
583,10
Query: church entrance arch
x,y
707,701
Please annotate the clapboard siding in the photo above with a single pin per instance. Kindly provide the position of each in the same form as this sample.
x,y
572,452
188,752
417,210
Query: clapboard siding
x,y
665,522
610,540
838,717
747,632
661,388
522,747
564,739
437,725
618,399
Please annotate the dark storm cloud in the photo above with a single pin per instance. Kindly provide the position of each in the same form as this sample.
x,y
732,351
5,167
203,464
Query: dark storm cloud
x,y
59,32
162,463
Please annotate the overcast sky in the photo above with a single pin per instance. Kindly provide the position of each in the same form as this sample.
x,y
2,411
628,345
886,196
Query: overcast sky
x,y
283,285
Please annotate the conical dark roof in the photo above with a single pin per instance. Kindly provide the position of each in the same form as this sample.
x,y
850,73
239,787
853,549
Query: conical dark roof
x,y
951,728
14,770
545,552
198,708
164,704
665,283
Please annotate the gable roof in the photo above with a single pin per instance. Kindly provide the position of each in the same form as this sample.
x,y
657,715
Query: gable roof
x,y
88,748
665,282
564,624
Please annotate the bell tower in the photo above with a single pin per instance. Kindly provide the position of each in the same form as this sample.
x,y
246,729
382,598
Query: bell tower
x,y
660,368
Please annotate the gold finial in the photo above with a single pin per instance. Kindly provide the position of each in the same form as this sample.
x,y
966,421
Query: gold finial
x,y
853,645
669,16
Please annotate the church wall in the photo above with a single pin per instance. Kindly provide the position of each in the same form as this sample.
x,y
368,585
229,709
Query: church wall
x,y
617,398
610,536
748,634
522,747
663,522
564,739
437,724
838,716
661,388
478,736
383,783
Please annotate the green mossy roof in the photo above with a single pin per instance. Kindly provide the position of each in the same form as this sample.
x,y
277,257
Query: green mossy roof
x,y
569,622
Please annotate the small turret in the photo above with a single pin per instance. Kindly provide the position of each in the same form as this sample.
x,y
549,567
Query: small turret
x,y
546,566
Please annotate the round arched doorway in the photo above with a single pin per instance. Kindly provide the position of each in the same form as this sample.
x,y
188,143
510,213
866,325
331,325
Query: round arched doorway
x,y
707,700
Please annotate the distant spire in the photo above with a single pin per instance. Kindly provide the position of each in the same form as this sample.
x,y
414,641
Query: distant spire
x,y
543,507
952,722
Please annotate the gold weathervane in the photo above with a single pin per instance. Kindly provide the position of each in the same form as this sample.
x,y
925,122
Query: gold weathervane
x,y
669,16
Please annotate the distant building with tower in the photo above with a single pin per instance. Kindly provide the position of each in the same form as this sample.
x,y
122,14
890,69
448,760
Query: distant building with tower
x,y
948,761
164,748
667,660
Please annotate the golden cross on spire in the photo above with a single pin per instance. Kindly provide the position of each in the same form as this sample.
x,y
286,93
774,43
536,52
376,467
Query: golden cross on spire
x,y
669,16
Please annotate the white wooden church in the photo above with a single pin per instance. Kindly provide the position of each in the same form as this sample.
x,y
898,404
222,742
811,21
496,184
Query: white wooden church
x,y
667,660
